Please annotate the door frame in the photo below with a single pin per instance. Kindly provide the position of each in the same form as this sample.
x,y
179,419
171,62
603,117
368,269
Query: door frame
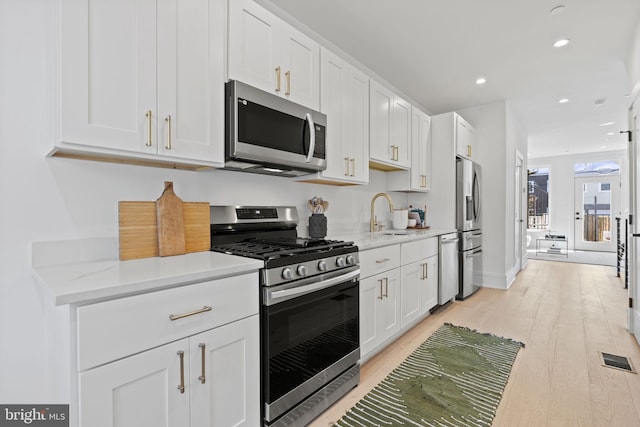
x,y
633,317
520,190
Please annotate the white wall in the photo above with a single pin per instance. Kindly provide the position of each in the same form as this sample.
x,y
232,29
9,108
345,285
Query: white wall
x,y
59,199
499,135
562,187
633,62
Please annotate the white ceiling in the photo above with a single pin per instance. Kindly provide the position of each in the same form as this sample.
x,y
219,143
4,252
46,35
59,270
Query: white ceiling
x,y
434,50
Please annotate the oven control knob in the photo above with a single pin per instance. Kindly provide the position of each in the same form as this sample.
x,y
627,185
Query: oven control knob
x,y
301,270
322,265
287,274
340,262
350,260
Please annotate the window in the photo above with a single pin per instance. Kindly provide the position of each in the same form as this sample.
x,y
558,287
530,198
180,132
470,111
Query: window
x,y
607,167
605,186
538,201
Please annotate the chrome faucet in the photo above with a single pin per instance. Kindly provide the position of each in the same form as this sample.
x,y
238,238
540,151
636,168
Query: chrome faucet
x,y
373,224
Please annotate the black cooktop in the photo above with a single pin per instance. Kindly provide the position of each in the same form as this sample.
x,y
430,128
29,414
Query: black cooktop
x,y
271,249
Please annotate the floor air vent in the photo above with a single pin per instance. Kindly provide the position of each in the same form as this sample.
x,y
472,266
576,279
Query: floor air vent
x,y
617,362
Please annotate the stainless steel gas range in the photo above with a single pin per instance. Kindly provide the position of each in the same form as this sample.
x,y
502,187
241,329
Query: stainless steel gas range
x,y
309,314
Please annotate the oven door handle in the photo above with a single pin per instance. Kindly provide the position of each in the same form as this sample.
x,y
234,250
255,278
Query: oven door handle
x,y
274,297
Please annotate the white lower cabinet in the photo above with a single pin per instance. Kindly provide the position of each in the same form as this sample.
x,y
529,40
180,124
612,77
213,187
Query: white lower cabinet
x,y
210,379
398,287
379,309
184,356
419,289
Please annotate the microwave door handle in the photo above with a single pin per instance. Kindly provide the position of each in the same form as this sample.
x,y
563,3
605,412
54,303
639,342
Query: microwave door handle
x,y
312,137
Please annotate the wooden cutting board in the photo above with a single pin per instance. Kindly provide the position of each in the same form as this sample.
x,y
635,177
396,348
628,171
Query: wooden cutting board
x,y
170,222
197,226
138,228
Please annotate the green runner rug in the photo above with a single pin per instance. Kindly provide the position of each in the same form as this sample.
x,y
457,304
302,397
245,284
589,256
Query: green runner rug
x,y
455,378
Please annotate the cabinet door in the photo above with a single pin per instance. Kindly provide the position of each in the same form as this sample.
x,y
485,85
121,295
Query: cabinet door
x,y
370,295
333,104
429,288
345,101
465,136
253,51
412,282
358,125
225,375
108,74
190,76
401,132
389,318
268,53
381,107
421,150
140,390
379,309
300,62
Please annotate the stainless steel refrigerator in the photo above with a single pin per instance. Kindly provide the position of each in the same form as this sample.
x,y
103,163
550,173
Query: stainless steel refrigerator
x,y
469,226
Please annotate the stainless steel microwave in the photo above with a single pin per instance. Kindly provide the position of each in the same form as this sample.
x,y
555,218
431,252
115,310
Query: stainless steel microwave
x,y
271,135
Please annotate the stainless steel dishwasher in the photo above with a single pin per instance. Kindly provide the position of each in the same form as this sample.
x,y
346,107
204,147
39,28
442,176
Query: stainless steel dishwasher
x,y
448,268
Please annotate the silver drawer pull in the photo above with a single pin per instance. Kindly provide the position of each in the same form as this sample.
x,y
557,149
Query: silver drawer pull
x,y
380,261
191,313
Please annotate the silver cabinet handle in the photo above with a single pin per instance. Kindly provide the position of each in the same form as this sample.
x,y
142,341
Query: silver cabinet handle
x,y
181,386
202,377
474,253
381,296
449,241
383,260
386,287
204,309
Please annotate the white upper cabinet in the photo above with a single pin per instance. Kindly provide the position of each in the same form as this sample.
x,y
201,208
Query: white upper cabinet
x,y
268,53
344,98
465,137
143,80
390,129
418,178
421,149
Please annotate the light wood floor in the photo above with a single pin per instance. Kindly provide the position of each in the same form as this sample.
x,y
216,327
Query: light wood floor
x,y
564,313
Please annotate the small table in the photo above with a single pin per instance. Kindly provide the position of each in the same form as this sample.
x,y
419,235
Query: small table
x,y
555,248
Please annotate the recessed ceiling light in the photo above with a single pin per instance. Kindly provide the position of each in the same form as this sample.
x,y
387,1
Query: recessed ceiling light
x,y
481,81
611,133
563,101
607,124
604,146
558,9
561,42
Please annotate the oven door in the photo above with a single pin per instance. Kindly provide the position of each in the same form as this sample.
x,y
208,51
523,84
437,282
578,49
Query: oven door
x,y
310,335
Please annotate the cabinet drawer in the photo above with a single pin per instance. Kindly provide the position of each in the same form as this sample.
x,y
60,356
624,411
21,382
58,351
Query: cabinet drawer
x,y
374,261
114,329
419,249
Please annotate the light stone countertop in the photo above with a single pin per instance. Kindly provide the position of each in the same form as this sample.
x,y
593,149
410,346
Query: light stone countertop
x,y
87,271
369,240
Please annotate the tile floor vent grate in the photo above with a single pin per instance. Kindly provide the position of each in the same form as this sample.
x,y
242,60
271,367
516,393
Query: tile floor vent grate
x,y
617,362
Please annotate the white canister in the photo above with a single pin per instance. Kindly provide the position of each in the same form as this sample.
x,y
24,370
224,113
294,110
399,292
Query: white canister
x,y
400,219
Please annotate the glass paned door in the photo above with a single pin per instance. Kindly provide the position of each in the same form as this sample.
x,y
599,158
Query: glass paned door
x,y
597,201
